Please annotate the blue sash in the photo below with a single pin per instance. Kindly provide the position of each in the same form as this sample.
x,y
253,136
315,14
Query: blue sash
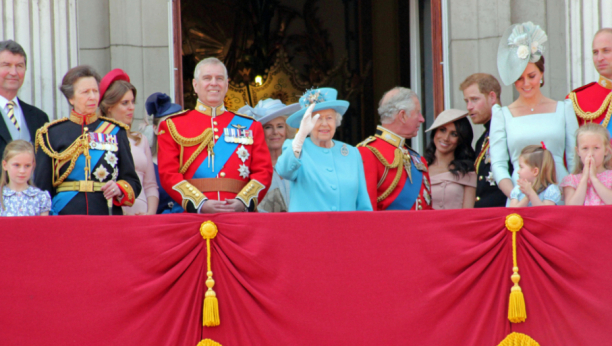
x,y
78,173
223,151
407,197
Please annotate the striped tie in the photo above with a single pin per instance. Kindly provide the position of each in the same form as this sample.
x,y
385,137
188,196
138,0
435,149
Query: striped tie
x,y
11,114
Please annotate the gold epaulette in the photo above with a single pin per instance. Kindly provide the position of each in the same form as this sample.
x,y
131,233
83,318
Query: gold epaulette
x,y
244,116
366,141
116,122
172,115
38,138
59,159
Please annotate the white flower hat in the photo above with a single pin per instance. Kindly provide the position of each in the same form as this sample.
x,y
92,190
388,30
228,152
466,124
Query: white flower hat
x,y
520,45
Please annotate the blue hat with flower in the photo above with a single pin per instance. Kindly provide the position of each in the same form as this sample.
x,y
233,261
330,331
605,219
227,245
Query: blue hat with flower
x,y
520,45
268,109
324,98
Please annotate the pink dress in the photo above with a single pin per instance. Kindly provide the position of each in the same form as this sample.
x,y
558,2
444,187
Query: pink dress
x,y
146,173
447,191
591,198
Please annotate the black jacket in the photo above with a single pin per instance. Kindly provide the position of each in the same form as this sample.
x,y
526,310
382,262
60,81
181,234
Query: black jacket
x,y
35,119
61,136
488,193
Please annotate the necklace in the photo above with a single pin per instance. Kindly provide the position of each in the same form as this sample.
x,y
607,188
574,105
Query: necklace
x,y
534,106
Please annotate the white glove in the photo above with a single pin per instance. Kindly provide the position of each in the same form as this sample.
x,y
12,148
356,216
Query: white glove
x,y
306,126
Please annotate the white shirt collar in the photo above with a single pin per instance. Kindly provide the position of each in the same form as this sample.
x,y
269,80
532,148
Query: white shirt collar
x,y
4,101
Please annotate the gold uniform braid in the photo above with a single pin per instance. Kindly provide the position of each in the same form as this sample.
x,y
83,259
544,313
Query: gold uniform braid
x,y
398,160
590,116
70,154
204,140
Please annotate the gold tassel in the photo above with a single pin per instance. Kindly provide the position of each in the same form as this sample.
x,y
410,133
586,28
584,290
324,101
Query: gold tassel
x,y
518,339
209,230
211,304
517,311
208,342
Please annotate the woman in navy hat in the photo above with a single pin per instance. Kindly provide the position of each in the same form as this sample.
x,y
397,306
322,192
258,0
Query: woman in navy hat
x,y
160,107
273,114
117,101
325,174
532,118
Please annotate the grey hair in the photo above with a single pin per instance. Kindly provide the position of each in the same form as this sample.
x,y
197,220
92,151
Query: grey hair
x,y
338,119
14,48
73,75
208,61
402,100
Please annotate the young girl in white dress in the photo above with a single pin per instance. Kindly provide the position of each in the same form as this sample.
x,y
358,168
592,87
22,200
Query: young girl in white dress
x,y
536,185
19,197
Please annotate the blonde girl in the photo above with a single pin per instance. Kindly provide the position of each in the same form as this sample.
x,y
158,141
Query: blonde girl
x,y
537,179
19,197
591,183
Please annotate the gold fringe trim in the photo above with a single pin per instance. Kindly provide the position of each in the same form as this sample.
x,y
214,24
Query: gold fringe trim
x,y
590,116
209,231
517,312
398,160
518,339
208,342
72,153
204,140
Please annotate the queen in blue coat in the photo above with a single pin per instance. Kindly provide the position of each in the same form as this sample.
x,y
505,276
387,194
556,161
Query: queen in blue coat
x,y
324,174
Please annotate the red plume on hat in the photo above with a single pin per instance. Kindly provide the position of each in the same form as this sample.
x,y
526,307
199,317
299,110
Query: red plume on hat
x,y
112,76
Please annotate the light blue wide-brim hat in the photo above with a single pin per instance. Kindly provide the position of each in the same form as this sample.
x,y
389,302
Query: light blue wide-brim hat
x,y
324,98
520,45
269,109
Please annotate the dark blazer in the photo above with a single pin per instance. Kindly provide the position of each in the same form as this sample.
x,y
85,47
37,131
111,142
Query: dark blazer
x,y
35,119
488,193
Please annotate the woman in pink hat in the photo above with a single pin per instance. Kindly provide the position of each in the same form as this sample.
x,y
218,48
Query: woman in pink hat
x,y
451,161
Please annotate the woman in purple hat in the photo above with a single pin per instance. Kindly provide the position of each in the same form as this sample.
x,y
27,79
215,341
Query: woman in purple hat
x,y
324,174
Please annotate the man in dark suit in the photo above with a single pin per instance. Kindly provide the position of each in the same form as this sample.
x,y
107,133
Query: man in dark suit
x,y
481,91
19,119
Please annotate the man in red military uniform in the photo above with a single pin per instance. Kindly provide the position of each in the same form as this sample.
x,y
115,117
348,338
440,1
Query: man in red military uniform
x,y
396,176
592,101
210,159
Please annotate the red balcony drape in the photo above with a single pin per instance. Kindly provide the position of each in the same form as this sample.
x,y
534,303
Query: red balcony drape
x,y
377,278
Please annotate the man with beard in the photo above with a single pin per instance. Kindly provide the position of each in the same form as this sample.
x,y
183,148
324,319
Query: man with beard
x,y
480,92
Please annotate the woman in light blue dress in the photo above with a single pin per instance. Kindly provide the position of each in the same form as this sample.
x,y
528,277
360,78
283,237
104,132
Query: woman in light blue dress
x,y
532,118
324,174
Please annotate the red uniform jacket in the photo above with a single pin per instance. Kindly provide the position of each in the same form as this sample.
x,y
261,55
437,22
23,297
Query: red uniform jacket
x,y
590,97
246,176
379,178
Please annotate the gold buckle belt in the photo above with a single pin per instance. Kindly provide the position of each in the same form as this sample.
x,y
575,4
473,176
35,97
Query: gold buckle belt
x,y
81,186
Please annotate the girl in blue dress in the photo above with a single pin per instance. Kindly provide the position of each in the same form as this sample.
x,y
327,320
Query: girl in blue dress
x,y
19,197
536,185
